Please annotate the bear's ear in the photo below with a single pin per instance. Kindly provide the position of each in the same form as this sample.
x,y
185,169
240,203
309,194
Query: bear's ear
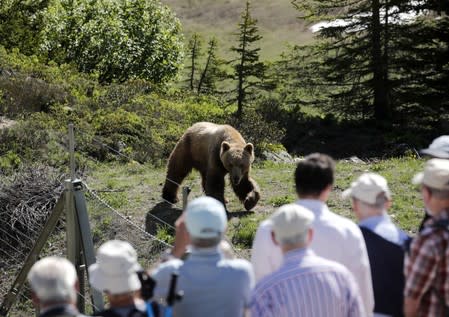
x,y
225,146
249,147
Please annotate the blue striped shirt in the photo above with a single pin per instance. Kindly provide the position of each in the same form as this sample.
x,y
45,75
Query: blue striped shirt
x,y
307,285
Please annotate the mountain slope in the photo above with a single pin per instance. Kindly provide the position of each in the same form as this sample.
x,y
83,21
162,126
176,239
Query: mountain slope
x,y
276,19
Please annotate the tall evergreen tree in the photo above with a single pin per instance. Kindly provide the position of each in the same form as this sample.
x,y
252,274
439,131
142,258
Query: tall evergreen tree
x,y
374,59
211,72
248,70
194,53
354,50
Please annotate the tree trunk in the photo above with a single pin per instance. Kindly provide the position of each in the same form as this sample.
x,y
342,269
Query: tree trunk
x,y
382,109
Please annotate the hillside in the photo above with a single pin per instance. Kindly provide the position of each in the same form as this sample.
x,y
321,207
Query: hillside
x,y
276,19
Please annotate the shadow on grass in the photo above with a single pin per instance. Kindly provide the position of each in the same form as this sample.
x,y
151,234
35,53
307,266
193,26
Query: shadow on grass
x,y
160,215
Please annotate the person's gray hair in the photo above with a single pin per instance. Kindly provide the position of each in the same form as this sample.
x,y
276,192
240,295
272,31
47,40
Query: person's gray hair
x,y
53,280
299,239
205,242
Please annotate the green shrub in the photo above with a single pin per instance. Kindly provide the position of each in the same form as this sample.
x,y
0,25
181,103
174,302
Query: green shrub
x,y
257,130
9,162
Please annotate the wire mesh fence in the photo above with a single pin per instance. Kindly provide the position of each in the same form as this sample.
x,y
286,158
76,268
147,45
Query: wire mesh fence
x,y
27,203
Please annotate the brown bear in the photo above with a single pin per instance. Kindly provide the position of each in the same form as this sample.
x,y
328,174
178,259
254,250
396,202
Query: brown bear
x,y
214,150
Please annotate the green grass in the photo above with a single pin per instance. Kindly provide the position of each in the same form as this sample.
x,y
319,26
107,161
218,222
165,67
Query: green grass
x,y
140,188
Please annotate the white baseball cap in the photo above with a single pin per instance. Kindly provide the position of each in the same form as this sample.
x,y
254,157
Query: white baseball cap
x,y
116,267
205,217
367,188
291,220
438,148
435,174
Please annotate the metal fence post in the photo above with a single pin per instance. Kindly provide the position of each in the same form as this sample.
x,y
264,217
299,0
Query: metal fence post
x,y
185,196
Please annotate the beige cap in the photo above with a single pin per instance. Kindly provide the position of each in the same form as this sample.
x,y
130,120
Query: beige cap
x,y
435,175
291,220
438,148
367,188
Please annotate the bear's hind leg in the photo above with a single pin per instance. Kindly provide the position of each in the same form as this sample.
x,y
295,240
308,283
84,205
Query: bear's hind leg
x,y
248,192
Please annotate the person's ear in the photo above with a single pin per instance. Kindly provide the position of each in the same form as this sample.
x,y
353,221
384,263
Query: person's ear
x,y
388,204
310,234
273,238
35,299
426,194
354,205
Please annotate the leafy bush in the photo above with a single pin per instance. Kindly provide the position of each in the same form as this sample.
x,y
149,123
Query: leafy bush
x,y
257,130
116,39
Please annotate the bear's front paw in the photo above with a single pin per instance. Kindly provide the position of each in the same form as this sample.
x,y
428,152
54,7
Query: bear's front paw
x,y
251,200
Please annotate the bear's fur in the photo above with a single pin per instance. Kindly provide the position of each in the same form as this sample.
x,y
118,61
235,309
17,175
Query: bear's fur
x,y
214,150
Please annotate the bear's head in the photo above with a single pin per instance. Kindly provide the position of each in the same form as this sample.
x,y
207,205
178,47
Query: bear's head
x,y
237,160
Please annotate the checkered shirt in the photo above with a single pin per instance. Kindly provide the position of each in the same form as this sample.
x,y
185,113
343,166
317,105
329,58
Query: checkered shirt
x,y
426,269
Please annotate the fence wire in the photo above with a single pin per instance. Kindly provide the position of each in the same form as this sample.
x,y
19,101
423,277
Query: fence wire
x,y
106,222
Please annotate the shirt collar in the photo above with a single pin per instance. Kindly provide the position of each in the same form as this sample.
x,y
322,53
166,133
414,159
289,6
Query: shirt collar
x,y
60,308
374,221
213,253
295,256
316,206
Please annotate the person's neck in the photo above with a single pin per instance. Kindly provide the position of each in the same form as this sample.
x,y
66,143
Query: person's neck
x,y
312,197
439,208
49,306
122,300
287,248
370,214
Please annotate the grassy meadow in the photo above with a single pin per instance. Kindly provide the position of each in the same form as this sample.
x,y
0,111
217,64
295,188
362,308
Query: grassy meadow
x,y
135,189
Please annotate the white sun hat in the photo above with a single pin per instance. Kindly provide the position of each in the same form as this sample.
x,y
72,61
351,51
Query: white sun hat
x,y
116,267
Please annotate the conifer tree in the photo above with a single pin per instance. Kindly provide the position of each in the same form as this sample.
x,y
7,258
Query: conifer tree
x,y
372,62
248,70
212,71
194,53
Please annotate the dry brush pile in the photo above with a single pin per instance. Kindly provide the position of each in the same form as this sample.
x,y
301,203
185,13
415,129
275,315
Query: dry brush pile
x,y
26,199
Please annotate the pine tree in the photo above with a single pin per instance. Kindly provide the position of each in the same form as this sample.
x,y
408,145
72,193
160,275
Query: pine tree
x,y
212,71
371,63
194,53
248,70
355,54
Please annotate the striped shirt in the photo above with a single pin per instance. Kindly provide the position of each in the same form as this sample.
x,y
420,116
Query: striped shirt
x,y
307,285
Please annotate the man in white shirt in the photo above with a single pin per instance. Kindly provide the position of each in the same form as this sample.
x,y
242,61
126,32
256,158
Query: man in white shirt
x,y
336,238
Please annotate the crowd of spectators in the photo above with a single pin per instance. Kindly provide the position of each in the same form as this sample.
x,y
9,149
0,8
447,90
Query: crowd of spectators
x,y
305,261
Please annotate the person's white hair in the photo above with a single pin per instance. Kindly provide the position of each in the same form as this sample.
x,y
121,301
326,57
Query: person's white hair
x,y
299,239
53,280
